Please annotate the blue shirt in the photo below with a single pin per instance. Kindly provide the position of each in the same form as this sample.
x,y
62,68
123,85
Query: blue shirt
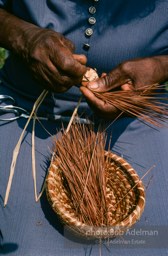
x,y
124,29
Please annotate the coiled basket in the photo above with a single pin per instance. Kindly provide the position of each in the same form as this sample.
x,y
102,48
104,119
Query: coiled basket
x,y
125,198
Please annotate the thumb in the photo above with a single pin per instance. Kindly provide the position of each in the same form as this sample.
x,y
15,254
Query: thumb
x,y
80,58
116,78
99,85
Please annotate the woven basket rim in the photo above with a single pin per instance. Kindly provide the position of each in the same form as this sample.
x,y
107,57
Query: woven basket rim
x,y
87,231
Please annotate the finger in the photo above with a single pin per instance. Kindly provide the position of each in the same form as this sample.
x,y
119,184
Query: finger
x,y
65,62
103,75
61,78
99,106
127,87
51,78
80,58
113,80
76,68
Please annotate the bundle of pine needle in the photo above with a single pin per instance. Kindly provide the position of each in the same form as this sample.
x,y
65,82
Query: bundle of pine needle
x,y
149,103
79,154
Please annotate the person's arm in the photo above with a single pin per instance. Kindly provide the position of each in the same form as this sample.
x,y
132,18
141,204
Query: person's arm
x,y
48,54
131,75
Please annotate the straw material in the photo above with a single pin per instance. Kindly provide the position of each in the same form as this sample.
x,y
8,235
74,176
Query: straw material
x,y
149,103
125,198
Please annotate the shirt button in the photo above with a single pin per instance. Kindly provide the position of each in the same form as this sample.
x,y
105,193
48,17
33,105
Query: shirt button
x,y
92,20
88,31
86,46
92,10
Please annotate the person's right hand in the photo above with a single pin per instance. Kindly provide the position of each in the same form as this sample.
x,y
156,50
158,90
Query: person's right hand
x,y
49,55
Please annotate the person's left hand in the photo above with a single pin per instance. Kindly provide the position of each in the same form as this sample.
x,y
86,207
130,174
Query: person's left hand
x,y
130,75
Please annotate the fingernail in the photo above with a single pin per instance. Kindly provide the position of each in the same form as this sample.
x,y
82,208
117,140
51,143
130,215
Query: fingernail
x,y
93,85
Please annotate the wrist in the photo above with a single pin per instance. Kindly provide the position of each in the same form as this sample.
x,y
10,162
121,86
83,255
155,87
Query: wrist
x,y
15,32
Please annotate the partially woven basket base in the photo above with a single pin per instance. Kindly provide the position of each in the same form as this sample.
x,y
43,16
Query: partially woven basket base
x,y
125,199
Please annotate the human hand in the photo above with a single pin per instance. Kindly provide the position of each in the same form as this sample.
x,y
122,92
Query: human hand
x,y
50,58
131,75
48,54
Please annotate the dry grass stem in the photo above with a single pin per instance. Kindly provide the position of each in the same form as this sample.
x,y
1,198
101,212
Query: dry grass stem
x,y
17,147
37,197
74,114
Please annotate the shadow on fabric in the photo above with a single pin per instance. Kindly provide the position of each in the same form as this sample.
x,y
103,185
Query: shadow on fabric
x,y
8,248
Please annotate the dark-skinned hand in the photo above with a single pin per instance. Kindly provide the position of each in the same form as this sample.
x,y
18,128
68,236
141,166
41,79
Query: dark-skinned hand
x,y
48,54
131,75
51,59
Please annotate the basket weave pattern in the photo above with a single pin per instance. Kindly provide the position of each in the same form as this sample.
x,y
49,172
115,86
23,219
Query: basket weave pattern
x,y
125,197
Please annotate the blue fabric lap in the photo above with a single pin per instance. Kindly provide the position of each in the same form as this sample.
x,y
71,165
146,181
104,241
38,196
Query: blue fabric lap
x,y
31,229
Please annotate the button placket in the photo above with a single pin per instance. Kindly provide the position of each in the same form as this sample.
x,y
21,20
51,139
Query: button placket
x,y
92,21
